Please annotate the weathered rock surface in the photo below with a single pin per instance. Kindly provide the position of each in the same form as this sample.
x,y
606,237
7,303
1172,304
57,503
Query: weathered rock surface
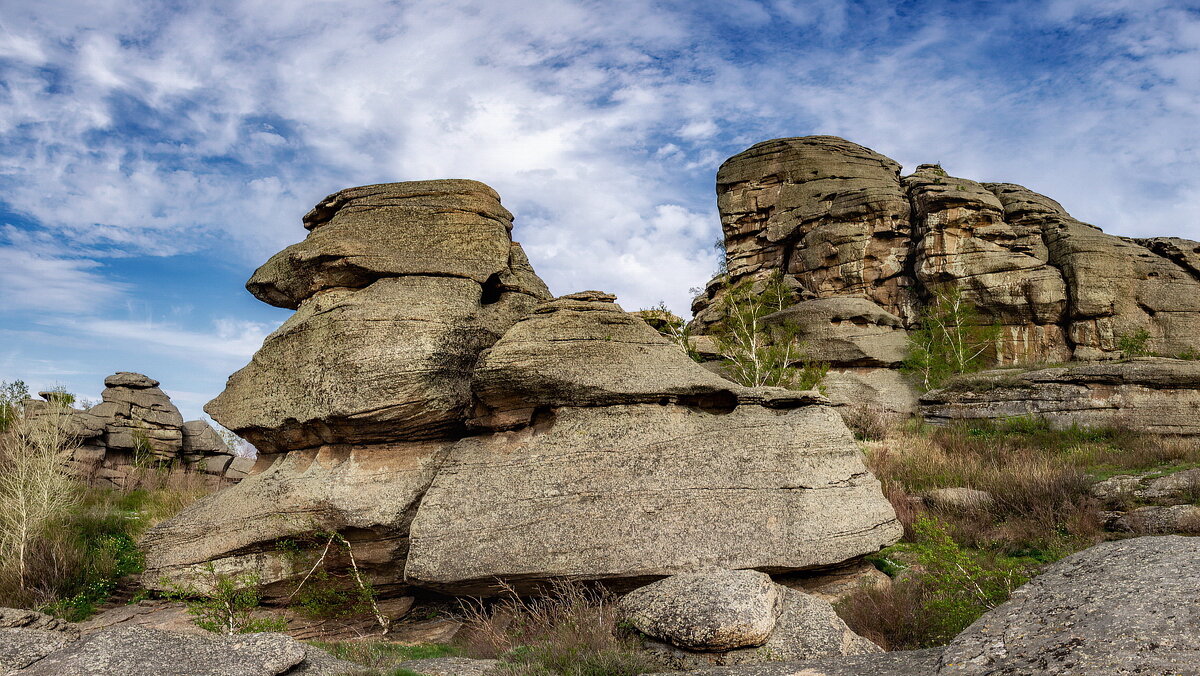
x,y
138,651
1183,486
27,636
457,426
807,627
710,611
134,425
634,491
1126,607
1158,396
899,663
837,583
837,220
846,331
1159,520
370,493
398,288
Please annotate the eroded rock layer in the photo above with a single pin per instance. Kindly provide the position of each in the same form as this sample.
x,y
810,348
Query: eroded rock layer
x,y
839,220
430,403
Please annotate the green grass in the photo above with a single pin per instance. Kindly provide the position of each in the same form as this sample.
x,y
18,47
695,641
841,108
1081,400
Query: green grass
x,y
383,657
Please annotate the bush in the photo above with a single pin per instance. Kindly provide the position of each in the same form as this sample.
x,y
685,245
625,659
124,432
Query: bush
x,y
12,396
870,422
1136,344
224,604
759,353
951,338
947,589
571,629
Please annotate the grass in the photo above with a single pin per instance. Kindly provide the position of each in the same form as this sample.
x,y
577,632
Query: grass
x,y
382,657
570,630
1040,479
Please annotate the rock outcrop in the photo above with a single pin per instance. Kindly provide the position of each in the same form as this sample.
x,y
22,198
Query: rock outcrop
x,y
1126,607
843,226
136,425
434,405
1157,396
32,644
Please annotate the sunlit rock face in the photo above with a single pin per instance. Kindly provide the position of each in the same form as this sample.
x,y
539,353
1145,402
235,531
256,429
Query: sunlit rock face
x,y
433,404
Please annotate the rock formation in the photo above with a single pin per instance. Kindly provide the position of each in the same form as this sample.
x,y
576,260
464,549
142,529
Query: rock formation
x,y
431,402
1157,396
136,425
838,220
33,644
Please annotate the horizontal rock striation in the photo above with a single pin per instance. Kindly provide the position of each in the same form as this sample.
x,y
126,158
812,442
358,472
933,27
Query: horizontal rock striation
x,y
1157,396
430,402
843,226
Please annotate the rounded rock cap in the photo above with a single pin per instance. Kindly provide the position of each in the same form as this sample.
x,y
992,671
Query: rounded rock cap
x,y
130,379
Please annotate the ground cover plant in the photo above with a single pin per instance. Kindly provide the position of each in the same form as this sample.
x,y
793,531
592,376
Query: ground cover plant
x,y
954,564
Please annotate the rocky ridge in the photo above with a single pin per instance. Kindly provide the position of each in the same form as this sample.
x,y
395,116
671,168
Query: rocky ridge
x,y
433,404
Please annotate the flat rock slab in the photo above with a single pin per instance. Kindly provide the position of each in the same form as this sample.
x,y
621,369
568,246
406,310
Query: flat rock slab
x,y
1127,607
717,610
900,663
138,651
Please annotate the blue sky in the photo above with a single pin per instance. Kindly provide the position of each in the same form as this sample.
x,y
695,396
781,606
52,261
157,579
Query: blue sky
x,y
152,154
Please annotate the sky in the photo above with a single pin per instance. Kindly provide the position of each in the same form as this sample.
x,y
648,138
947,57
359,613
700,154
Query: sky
x,y
153,154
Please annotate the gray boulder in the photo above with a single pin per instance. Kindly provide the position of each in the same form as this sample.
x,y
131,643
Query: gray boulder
x,y
139,651
27,636
899,663
449,666
1126,607
717,610
807,628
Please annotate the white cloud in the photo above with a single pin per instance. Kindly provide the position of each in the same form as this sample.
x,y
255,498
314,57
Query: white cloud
x,y
231,340
600,123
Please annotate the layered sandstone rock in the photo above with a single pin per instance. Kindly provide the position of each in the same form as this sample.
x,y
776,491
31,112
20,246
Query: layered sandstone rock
x,y
457,426
841,225
136,425
1158,396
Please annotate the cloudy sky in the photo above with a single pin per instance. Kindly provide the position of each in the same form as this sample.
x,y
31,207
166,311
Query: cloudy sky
x,y
152,154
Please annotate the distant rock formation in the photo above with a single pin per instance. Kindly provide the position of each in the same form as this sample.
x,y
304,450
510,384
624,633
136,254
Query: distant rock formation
x,y
432,403
136,425
842,224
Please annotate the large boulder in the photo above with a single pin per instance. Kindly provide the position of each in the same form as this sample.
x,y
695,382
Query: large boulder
x,y
1158,396
845,331
1126,607
806,628
634,491
713,610
399,287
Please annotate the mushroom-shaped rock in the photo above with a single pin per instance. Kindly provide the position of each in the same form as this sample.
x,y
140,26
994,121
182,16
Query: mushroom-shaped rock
x,y
130,379
712,610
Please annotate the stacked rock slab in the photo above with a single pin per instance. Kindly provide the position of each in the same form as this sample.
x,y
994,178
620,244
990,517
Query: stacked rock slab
x,y
1157,396
137,425
458,426
838,220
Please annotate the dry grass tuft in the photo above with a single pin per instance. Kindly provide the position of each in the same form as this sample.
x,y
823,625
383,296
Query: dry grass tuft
x,y
570,629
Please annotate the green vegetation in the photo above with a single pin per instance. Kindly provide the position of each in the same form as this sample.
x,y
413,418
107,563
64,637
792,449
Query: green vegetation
x,y
383,658
670,326
323,591
1136,344
952,338
953,563
224,603
11,396
761,353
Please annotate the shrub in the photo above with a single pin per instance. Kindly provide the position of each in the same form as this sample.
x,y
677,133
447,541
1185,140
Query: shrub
x,y
35,495
571,629
670,326
1136,344
951,338
870,422
318,595
223,603
760,353
12,396
946,590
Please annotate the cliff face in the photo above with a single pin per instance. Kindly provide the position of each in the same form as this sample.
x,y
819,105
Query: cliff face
x,y
840,220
